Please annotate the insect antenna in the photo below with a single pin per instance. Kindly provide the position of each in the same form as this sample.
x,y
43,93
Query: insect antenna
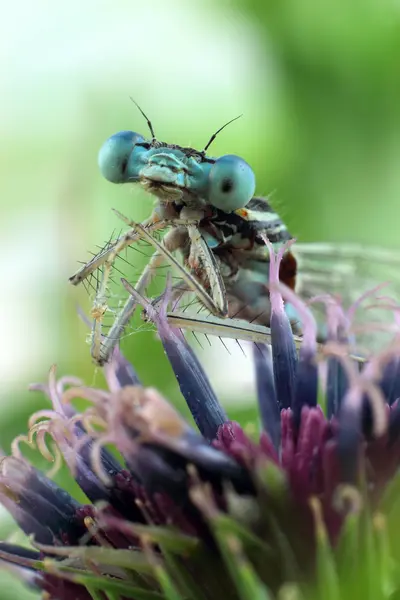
x,y
214,135
150,126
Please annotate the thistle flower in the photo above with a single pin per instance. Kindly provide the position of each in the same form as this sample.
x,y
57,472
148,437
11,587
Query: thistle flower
x,y
211,513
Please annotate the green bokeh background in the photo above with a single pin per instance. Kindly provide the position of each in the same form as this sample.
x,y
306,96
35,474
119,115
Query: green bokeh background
x,y
318,84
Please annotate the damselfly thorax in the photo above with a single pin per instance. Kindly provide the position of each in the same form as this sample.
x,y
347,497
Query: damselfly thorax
x,y
236,241
214,231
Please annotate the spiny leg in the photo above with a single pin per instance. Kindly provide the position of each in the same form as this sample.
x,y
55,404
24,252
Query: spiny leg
x,y
105,260
129,238
233,329
226,328
100,304
174,239
216,303
200,250
201,259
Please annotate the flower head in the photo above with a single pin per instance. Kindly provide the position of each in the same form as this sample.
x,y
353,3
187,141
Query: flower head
x,y
211,512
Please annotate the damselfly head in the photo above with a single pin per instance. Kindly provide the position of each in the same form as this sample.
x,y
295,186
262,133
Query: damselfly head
x,y
173,173
177,174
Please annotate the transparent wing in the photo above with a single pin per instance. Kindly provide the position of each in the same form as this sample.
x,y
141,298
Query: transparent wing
x,y
349,272
346,270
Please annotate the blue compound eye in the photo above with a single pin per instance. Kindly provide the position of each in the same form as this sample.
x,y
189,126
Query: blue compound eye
x,y
118,157
231,183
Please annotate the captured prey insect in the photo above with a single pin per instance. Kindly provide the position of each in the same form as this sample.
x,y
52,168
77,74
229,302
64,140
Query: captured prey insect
x,y
211,216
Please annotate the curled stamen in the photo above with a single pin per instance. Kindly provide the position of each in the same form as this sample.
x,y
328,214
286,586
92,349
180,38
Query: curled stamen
x,y
54,455
347,499
376,403
354,307
390,372
91,422
89,439
42,445
340,352
337,329
42,414
53,392
374,369
337,320
98,397
80,418
390,304
65,381
359,384
36,438
95,454
39,387
373,327
21,439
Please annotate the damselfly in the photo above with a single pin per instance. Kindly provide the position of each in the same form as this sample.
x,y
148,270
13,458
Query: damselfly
x,y
210,214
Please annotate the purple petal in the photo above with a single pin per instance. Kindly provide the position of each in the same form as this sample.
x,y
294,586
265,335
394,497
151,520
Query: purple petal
x,y
267,402
193,382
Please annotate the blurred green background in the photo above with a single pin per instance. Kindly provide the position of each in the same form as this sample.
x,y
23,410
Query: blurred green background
x,y
318,84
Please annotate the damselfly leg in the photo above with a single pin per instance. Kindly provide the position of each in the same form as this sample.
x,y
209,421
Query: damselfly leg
x,y
104,261
183,236
125,240
102,346
202,261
